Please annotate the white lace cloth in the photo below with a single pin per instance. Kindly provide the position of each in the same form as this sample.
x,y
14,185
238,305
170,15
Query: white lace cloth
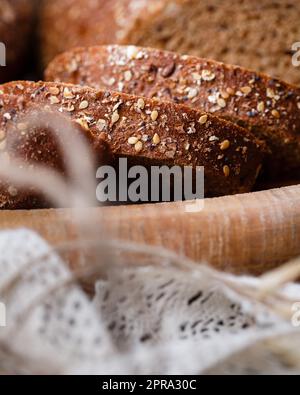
x,y
146,320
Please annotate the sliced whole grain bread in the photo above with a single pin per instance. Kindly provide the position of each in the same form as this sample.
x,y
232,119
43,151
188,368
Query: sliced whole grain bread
x,y
151,131
29,137
267,107
257,34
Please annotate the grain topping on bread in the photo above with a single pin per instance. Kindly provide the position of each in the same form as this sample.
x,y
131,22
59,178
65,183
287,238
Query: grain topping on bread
x,y
36,138
269,108
148,130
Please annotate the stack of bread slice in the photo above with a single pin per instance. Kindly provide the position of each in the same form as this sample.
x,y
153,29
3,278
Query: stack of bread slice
x,y
155,107
267,107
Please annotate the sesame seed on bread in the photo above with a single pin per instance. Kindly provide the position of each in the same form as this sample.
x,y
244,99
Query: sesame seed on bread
x,y
152,131
268,107
29,138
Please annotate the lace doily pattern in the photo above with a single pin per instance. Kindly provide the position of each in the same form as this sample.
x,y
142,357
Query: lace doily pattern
x,y
149,320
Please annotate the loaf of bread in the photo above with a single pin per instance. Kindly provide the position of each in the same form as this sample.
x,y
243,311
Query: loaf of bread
x,y
15,27
256,34
269,108
148,131
29,137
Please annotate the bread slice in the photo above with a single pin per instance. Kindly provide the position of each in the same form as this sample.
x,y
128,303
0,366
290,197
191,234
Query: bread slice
x,y
267,107
15,22
149,131
256,34
29,137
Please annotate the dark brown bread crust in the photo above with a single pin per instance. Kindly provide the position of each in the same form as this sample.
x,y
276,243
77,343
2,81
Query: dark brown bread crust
x,y
269,108
146,131
15,27
22,140
256,34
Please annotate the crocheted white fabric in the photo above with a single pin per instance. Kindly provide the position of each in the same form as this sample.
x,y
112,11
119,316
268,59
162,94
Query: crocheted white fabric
x,y
142,320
